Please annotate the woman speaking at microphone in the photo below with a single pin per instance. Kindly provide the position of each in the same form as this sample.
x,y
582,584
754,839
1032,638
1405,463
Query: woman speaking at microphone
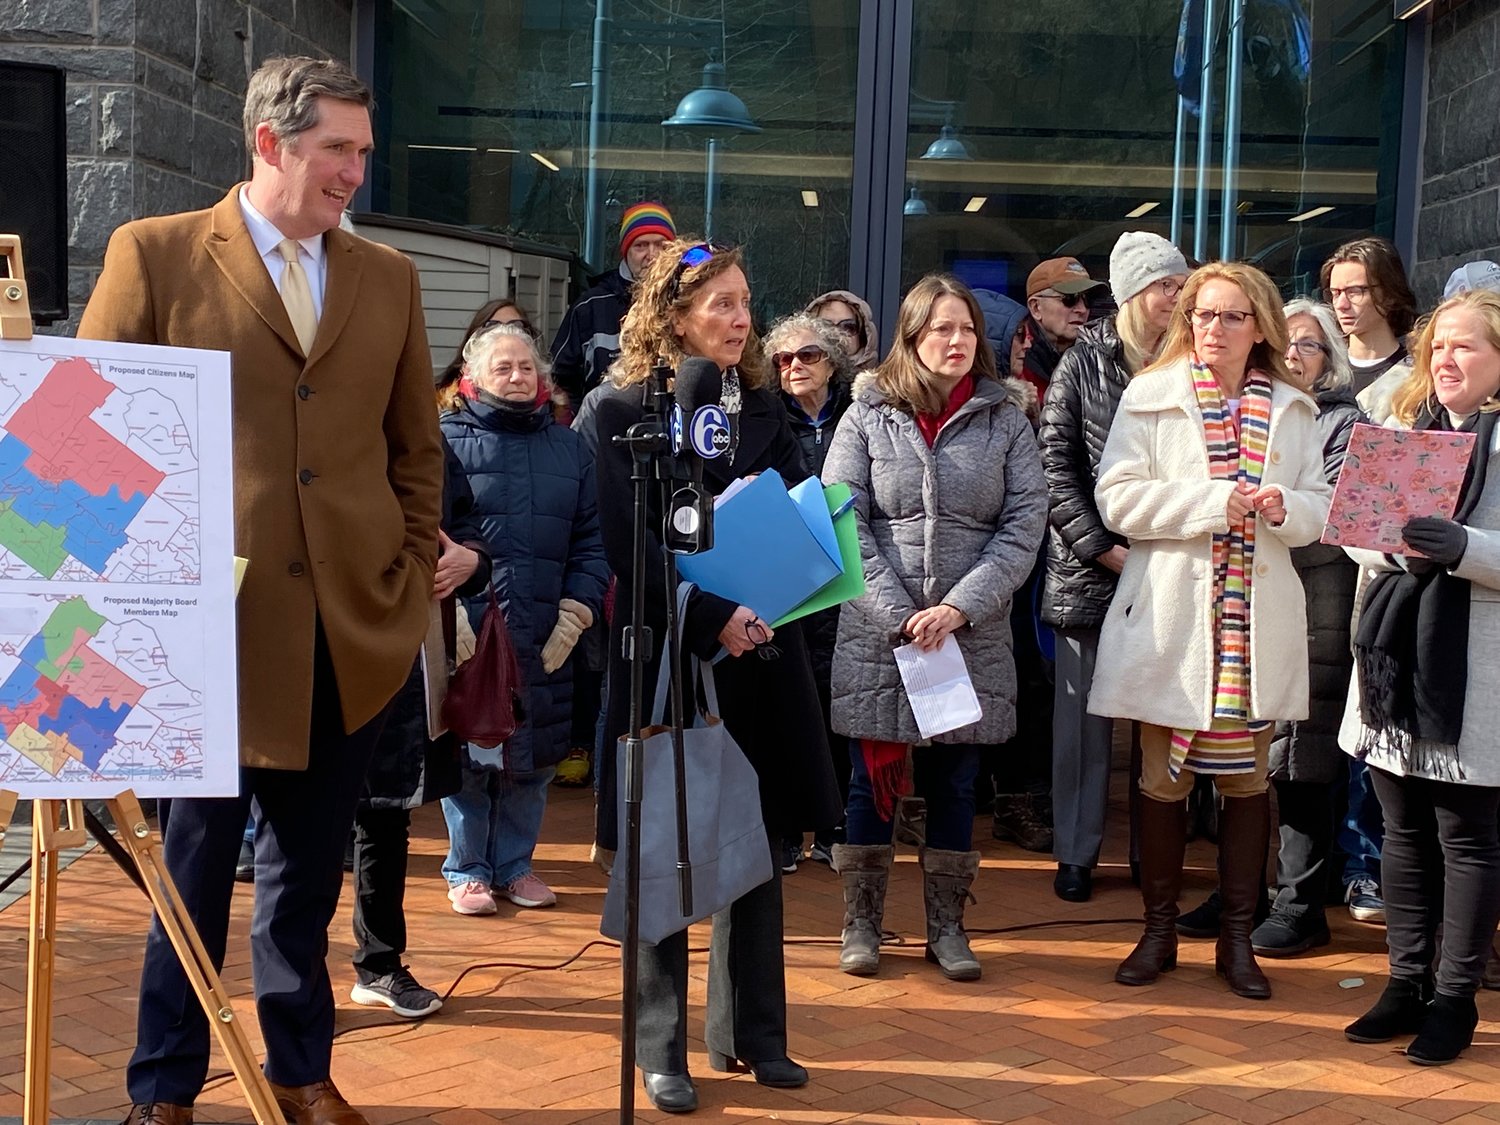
x,y
694,301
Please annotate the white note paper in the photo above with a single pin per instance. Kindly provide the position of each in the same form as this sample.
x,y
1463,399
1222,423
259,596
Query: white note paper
x,y
938,687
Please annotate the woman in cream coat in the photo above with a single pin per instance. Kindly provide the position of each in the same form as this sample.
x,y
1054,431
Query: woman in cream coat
x,y
1214,461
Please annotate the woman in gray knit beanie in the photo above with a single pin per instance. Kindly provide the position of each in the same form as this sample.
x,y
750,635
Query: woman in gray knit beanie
x,y
1084,557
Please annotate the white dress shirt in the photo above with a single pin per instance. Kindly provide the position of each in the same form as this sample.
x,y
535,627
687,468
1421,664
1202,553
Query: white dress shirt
x,y
267,238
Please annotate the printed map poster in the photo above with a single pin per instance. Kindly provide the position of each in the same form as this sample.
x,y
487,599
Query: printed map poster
x,y
1391,476
117,628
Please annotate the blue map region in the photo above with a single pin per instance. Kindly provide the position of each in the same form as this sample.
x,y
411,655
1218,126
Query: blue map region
x,y
20,686
91,729
94,526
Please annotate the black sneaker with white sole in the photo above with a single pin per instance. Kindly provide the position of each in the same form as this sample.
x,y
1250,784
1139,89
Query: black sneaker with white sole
x,y
400,992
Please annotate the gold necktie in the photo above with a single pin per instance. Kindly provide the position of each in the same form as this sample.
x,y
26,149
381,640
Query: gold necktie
x,y
296,294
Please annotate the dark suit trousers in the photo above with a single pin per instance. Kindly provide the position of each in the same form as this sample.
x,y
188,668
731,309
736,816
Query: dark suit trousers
x,y
746,987
302,820
382,842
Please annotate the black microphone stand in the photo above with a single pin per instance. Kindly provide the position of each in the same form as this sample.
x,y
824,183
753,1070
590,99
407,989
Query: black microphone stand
x,y
653,463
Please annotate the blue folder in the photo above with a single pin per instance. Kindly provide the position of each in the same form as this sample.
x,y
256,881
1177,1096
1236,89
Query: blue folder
x,y
766,554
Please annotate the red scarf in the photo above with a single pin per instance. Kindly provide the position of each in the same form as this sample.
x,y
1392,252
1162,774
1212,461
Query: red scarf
x,y
885,764
930,424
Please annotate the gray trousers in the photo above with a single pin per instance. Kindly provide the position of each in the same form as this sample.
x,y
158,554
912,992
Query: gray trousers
x,y
1081,745
746,987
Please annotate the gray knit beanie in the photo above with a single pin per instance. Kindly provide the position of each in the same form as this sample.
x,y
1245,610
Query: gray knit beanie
x,y
1138,259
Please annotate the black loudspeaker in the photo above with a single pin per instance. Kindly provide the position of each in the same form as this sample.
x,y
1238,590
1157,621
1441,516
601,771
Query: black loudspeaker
x,y
34,180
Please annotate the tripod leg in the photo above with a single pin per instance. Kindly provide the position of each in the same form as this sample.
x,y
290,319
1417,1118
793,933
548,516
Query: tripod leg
x,y
196,964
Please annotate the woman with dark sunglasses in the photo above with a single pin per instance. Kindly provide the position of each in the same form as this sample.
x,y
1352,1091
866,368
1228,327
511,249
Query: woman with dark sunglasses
x,y
808,356
851,318
694,300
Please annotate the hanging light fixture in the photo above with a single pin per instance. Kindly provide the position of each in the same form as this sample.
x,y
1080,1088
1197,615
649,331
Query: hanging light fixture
x,y
915,205
947,146
713,112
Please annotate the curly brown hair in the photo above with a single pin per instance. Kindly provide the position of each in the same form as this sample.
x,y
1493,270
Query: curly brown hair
x,y
646,335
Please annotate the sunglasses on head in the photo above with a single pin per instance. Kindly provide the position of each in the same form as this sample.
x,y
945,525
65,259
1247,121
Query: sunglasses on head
x,y
523,325
694,256
806,356
1069,300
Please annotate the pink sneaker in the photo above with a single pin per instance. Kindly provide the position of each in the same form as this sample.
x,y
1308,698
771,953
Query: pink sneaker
x,y
472,897
528,890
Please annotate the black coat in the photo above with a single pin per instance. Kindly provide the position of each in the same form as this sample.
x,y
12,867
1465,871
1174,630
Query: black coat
x,y
407,769
1076,416
770,707
588,340
534,496
1308,750
821,629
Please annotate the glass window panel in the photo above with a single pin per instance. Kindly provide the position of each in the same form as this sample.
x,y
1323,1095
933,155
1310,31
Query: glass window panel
x,y
1067,115
484,122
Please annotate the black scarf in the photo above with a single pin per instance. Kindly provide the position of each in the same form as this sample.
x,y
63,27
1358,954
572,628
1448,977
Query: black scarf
x,y
1412,645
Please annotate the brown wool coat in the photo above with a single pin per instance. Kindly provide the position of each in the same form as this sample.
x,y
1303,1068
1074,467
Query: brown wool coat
x,y
338,466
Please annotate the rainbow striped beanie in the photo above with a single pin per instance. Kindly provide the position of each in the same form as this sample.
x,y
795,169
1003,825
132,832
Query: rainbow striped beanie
x,y
646,217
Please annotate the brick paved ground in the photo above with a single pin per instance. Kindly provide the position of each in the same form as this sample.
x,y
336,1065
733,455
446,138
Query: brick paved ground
x,y
1045,1036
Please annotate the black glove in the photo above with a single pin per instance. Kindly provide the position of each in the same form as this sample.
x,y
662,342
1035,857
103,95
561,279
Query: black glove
x,y
1442,541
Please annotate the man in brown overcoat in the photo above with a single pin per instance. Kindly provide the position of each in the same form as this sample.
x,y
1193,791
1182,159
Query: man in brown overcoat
x,y
338,471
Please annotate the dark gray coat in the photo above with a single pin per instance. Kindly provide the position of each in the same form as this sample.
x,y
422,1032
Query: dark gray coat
x,y
957,524
1308,750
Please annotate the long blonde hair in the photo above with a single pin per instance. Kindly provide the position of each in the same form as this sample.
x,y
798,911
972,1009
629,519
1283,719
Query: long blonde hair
x,y
1137,335
903,378
646,335
1269,355
1418,389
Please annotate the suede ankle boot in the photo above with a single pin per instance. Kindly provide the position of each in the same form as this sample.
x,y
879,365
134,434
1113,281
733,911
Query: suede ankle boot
x,y
1163,843
1244,833
1401,1010
1447,1032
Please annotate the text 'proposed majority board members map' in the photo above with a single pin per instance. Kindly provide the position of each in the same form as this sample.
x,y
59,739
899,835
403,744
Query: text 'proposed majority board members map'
x,y
117,660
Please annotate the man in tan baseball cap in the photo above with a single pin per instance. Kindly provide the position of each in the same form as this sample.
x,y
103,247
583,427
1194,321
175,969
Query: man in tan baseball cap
x,y
1056,296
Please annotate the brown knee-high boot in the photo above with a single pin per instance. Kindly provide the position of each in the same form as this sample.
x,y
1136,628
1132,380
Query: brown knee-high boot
x,y
1163,843
1244,831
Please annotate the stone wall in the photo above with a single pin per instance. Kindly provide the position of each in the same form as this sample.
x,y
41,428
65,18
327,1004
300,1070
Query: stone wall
x,y
1460,216
154,96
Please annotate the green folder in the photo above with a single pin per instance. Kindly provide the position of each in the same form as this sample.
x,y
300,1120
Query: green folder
x,y
850,584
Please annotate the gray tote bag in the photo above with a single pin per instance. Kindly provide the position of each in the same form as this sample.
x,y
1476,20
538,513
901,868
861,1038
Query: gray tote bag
x,y
730,853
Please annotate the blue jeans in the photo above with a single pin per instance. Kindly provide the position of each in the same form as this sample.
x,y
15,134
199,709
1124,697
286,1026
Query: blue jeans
x,y
1361,831
942,775
492,833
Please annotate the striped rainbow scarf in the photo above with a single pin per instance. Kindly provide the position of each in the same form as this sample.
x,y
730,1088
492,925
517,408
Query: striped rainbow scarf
x,y
1236,451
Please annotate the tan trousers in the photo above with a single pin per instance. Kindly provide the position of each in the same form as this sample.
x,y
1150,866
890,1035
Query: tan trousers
x,y
1156,782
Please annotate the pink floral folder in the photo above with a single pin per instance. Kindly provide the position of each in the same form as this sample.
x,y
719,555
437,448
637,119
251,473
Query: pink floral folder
x,y
1391,476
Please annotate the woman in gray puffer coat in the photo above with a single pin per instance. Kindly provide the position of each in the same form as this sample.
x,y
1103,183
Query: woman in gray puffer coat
x,y
951,503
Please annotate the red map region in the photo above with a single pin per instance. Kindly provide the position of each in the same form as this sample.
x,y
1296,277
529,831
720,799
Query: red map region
x,y
47,701
99,680
68,445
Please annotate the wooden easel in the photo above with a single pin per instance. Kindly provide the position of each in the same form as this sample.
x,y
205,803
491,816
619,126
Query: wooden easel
x,y
52,832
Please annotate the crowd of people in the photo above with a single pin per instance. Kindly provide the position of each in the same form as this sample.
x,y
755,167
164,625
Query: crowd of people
x,y
1111,497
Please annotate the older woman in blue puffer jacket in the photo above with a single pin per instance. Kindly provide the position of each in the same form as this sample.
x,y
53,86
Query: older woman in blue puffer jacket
x,y
534,496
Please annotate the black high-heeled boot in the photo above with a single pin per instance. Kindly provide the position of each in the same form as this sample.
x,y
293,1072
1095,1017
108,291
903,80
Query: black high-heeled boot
x,y
1401,1010
1447,1031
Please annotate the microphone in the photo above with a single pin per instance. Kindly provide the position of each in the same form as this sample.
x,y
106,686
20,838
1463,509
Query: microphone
x,y
700,432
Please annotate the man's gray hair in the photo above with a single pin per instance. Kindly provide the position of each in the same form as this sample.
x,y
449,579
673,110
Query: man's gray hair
x,y
284,94
1337,372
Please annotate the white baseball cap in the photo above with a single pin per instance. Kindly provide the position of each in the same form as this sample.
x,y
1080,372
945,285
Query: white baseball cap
x,y
1473,275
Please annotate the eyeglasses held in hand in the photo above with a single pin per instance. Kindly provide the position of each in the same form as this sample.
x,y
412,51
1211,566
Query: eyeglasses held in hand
x,y
1069,300
1353,292
806,356
1229,318
1308,348
755,633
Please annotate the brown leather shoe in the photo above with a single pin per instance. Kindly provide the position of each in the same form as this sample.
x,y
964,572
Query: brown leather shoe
x,y
159,1113
318,1104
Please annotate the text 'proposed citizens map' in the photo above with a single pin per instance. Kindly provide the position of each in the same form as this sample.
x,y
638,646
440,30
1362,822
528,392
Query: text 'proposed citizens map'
x,y
116,589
